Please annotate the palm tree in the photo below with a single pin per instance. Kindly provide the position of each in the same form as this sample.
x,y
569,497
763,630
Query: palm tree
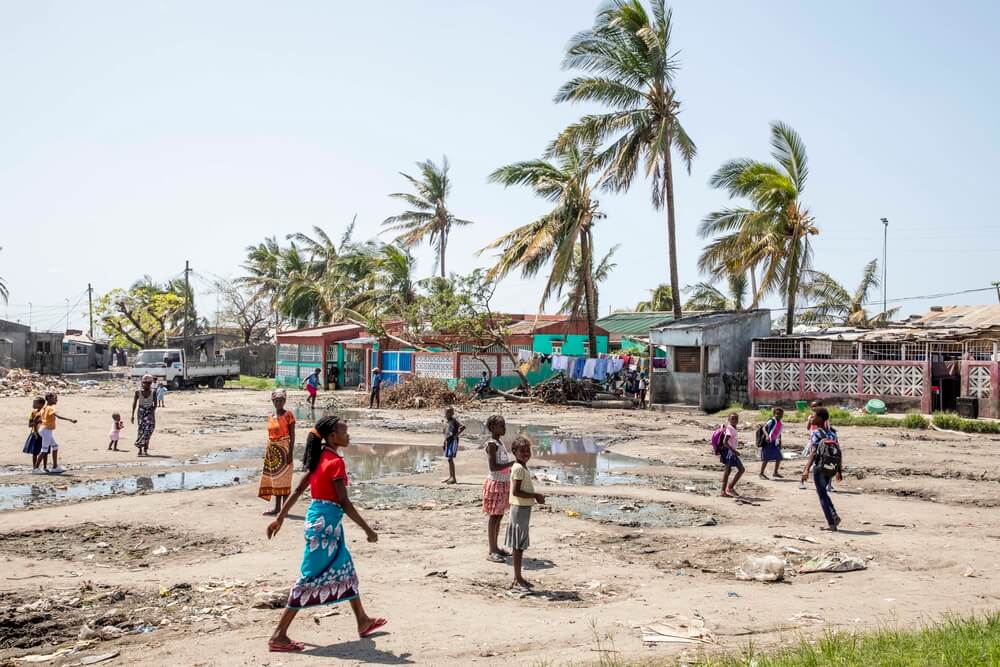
x,y
263,274
773,233
430,218
835,305
574,303
565,180
661,300
629,67
705,296
393,288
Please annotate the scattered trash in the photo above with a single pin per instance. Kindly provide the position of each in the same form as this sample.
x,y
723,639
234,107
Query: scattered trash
x,y
970,572
710,521
815,618
880,443
895,525
143,628
160,551
680,631
792,550
732,594
573,514
87,632
763,568
46,657
94,659
800,538
691,489
832,561
109,632
437,573
269,600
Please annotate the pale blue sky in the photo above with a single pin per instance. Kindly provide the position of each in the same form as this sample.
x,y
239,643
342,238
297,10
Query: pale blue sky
x,y
138,135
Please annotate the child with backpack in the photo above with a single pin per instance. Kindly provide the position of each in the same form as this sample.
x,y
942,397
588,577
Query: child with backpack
x,y
769,442
826,461
725,443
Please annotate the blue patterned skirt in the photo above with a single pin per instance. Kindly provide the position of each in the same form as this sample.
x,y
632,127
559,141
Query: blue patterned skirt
x,y
327,573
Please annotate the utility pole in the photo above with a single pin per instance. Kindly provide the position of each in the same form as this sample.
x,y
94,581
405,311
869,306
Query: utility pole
x,y
67,314
187,296
29,315
885,246
90,307
997,285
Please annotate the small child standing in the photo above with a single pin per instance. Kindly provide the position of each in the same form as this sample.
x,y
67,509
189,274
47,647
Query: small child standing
x,y
161,393
33,444
116,431
730,458
771,449
522,498
48,432
452,429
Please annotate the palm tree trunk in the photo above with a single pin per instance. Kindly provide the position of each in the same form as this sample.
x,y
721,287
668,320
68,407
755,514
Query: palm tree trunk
x,y
442,247
668,189
753,286
586,252
794,262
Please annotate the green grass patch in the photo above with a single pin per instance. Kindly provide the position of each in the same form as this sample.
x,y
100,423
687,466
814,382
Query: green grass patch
x,y
844,417
952,422
251,382
953,643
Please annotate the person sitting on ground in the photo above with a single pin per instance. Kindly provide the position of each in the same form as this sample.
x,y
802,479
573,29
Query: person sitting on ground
x,y
771,451
452,429
522,498
826,461
483,386
730,458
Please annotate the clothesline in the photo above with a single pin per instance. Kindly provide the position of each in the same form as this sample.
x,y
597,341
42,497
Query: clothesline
x,y
575,367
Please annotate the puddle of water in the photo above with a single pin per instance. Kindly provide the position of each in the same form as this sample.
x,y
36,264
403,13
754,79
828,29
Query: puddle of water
x,y
629,513
16,496
364,462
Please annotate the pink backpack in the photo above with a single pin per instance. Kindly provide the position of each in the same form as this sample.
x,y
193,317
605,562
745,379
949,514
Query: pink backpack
x,y
718,438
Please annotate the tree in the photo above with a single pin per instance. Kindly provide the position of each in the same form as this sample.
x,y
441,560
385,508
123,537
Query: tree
x,y
661,300
574,303
705,296
263,267
392,286
142,316
245,310
565,179
773,232
833,304
629,67
429,218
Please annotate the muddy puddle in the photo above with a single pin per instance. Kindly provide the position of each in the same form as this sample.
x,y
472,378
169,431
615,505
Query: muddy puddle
x,y
17,496
630,513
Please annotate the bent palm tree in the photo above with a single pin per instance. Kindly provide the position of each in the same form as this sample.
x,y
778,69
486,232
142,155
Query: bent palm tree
x,y
429,218
705,296
565,181
660,301
835,305
630,67
774,231
575,301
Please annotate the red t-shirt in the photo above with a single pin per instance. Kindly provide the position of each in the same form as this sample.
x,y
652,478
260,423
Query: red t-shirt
x,y
331,467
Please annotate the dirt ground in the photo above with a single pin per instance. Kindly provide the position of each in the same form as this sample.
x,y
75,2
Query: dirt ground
x,y
130,557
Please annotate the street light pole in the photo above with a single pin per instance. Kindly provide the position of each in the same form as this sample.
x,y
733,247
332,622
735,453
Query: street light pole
x,y
885,246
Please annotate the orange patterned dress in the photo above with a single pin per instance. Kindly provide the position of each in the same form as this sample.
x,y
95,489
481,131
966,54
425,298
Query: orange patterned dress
x,y
277,477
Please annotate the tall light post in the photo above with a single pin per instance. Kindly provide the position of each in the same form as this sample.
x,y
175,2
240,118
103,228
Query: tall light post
x,y
885,245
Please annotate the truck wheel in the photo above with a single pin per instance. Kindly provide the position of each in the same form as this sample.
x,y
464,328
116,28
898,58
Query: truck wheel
x,y
175,384
219,382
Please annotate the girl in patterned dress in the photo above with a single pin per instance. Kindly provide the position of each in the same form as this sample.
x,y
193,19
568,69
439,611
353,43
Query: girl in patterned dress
x,y
276,479
327,572
496,487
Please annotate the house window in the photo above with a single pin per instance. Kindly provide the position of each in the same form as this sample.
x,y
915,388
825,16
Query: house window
x,y
556,347
45,346
586,349
687,359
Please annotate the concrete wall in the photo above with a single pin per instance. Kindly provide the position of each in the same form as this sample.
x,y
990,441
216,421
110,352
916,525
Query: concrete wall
x,y
18,335
45,352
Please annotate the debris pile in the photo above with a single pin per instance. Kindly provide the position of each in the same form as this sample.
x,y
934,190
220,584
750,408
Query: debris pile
x,y
560,390
420,392
16,382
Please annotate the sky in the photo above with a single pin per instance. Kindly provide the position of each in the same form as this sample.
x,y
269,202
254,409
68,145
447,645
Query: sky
x,y
138,136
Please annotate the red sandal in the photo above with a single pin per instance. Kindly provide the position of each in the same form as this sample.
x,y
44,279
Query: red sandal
x,y
372,627
290,647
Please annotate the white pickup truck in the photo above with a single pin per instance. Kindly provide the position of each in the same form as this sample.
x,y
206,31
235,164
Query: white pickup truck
x,y
173,366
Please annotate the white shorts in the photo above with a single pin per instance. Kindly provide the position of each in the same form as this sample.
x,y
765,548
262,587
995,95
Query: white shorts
x,y
49,443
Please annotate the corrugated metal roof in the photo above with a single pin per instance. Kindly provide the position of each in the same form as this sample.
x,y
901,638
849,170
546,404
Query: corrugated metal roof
x,y
709,319
315,332
634,323
959,316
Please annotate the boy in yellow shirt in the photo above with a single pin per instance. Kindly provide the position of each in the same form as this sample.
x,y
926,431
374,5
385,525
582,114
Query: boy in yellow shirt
x,y
522,498
48,432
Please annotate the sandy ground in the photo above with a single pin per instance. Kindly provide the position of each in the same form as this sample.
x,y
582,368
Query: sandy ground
x,y
655,546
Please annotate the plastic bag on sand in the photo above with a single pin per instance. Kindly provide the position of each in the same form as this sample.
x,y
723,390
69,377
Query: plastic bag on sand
x,y
761,568
832,561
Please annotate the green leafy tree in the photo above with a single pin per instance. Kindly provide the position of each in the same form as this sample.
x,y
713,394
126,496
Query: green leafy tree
x,y
660,301
574,301
264,276
566,180
629,66
833,304
773,232
142,316
428,218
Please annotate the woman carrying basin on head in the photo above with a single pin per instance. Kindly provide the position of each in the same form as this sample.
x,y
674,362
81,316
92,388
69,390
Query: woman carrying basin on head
x,y
276,479
327,572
